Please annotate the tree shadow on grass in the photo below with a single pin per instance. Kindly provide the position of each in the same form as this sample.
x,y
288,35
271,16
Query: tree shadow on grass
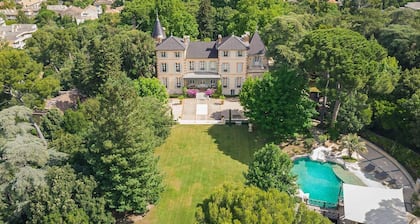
x,y
236,142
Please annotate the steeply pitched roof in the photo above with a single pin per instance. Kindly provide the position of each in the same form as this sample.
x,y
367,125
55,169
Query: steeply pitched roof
x,y
171,44
256,45
202,50
158,31
232,43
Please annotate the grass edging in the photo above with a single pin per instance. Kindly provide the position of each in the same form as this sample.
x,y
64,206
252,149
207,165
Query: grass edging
x,y
405,156
346,176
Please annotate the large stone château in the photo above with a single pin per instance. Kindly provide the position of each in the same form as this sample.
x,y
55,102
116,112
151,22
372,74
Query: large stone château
x,y
200,64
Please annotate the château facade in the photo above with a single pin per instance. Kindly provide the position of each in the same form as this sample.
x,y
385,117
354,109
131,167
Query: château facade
x,y
200,65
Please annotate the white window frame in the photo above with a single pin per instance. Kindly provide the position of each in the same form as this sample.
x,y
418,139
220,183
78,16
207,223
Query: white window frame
x,y
202,66
164,67
163,54
225,53
212,66
178,82
240,67
177,54
177,67
192,65
238,82
240,53
257,60
165,81
225,67
225,82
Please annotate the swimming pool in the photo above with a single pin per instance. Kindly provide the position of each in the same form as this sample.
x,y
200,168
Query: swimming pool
x,y
317,179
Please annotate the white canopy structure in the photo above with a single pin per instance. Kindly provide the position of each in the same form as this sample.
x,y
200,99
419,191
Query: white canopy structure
x,y
374,205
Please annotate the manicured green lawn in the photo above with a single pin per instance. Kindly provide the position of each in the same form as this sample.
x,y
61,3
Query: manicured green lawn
x,y
194,161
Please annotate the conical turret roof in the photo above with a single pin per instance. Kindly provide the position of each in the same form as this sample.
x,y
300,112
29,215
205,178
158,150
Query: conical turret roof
x,y
158,32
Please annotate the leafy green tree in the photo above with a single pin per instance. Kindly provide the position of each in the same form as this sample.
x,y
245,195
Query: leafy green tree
x,y
253,14
67,198
352,143
51,123
23,159
271,168
396,114
205,19
224,21
151,87
306,216
45,17
21,80
121,144
355,113
369,21
343,59
22,18
283,34
139,13
138,54
237,204
402,42
278,103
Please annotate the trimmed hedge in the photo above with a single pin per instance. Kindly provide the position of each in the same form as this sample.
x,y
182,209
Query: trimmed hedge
x,y
407,157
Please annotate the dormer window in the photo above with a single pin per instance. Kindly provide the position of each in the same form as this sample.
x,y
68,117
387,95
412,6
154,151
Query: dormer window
x,y
163,54
177,54
225,53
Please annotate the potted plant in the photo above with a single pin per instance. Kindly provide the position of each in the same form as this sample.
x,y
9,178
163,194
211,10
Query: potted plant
x,y
181,98
222,99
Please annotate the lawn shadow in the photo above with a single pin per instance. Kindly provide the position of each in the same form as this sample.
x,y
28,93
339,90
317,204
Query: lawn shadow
x,y
236,142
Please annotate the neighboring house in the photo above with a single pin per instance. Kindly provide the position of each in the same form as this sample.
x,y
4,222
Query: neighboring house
x,y
198,64
31,4
78,14
103,2
17,34
413,5
11,14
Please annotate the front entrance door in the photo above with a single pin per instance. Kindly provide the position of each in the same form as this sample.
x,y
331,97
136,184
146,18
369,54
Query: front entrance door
x,y
232,92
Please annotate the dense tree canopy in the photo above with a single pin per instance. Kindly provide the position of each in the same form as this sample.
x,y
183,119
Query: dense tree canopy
x,y
23,160
235,204
22,81
343,59
152,87
278,103
67,198
271,168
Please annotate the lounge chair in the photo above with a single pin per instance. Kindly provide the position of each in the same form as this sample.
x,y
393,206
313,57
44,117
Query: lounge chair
x,y
392,183
381,175
369,168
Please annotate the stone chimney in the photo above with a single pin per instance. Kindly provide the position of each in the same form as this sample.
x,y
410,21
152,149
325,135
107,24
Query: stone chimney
x,y
186,40
245,37
219,39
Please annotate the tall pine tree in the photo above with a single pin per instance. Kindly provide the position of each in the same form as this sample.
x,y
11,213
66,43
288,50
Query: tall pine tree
x,y
205,19
120,150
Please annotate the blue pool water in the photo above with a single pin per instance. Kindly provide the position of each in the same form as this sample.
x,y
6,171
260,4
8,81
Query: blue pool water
x,y
317,179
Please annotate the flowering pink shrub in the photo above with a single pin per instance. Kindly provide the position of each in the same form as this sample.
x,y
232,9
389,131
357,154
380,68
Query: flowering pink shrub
x,y
192,92
209,92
